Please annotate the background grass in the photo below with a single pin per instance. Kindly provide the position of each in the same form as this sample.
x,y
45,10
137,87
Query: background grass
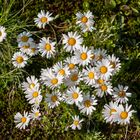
x,y
118,31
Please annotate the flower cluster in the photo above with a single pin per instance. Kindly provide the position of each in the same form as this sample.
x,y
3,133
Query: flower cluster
x,y
85,68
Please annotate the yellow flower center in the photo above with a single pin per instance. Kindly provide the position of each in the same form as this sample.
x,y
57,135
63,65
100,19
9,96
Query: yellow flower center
x,y
54,98
71,66
62,72
74,77
33,50
76,122
36,114
84,19
23,119
44,19
100,81
83,56
47,47
75,95
35,94
103,69
26,47
100,57
0,33
91,75
124,115
92,56
87,103
112,111
71,41
19,59
103,87
113,65
54,81
31,85
121,94
24,38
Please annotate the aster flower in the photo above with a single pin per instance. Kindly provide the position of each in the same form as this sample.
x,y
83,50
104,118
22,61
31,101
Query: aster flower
x,y
43,18
76,123
21,120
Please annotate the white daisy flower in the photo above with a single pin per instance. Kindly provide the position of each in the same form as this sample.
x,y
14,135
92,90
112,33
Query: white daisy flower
x,y
115,63
21,120
72,41
83,56
76,123
85,21
33,95
46,47
31,83
109,111
104,69
53,99
43,18
87,105
51,79
61,70
89,76
71,62
19,60
104,88
123,114
33,49
35,114
120,94
100,81
24,48
2,33
24,38
74,78
73,95
100,54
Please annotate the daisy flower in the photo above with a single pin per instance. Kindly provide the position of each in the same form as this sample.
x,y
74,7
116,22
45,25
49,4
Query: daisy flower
x,y
85,21
100,81
70,62
36,103
72,41
51,79
24,38
123,114
46,47
2,33
100,54
24,48
89,76
120,94
87,105
74,95
61,70
33,49
33,95
83,56
109,111
43,18
74,78
115,63
76,123
35,114
104,69
31,83
53,99
19,60
22,120
104,88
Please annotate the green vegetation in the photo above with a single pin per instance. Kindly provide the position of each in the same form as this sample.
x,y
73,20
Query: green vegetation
x,y
117,25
